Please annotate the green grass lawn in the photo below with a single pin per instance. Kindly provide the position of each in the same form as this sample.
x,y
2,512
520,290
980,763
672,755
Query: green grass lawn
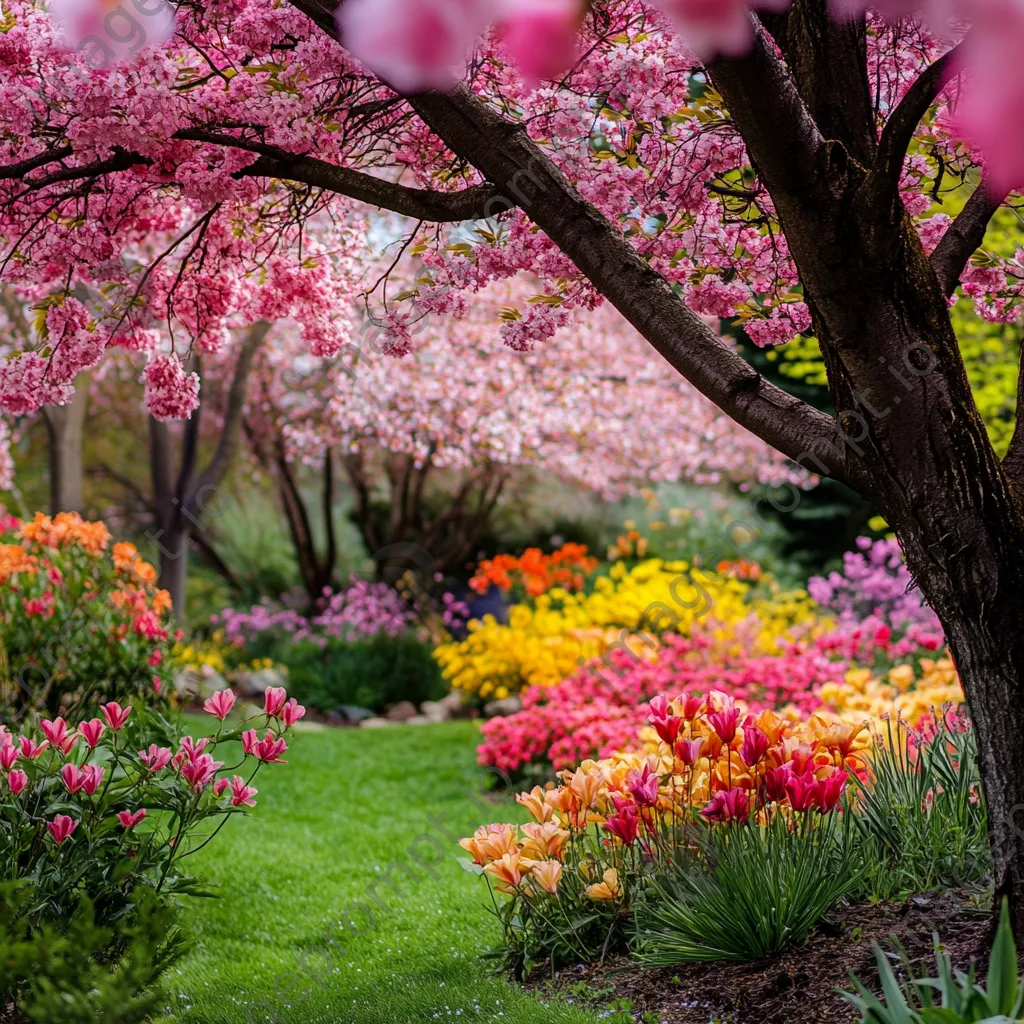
x,y
291,940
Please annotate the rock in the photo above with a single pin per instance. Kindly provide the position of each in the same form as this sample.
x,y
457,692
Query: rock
x,y
402,711
193,685
435,711
502,708
353,713
418,720
252,684
374,723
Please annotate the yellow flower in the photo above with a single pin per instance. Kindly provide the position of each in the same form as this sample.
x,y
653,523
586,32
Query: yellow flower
x,y
608,889
544,840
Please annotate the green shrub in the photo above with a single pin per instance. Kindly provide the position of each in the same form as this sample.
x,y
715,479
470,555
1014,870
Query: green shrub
x,y
949,998
80,972
747,892
370,673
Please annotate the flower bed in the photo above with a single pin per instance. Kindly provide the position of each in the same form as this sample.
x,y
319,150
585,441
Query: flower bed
x,y
81,619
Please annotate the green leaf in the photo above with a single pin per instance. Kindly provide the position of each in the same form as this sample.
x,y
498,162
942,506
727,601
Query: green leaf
x,y
1002,971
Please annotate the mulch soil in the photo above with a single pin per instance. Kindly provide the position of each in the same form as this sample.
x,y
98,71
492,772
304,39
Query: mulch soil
x,y
796,987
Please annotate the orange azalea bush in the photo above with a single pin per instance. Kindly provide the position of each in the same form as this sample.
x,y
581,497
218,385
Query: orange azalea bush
x,y
597,837
82,621
534,573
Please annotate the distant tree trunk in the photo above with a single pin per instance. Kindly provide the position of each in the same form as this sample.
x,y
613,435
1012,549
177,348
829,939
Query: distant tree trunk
x,y
65,426
180,503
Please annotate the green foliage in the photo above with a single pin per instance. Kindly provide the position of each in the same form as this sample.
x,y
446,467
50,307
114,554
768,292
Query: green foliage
x,y
753,891
81,972
950,998
369,673
920,815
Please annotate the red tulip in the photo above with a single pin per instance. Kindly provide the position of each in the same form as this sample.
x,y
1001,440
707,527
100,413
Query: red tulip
x,y
755,743
830,790
625,825
724,723
802,791
775,780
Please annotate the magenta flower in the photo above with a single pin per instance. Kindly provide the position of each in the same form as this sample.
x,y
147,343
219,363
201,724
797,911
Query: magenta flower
x,y
249,740
73,777
220,704
241,793
130,820
115,715
61,828
92,776
724,723
17,780
200,771
8,755
219,786
155,757
644,786
55,731
274,698
270,748
32,750
292,712
92,731
803,791
775,780
688,751
728,805
625,825
191,748
755,743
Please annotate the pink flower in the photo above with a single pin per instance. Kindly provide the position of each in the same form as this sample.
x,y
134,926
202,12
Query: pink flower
x,y
625,824
724,723
219,786
61,828
292,712
803,791
728,805
710,27
269,748
191,748
32,750
241,793
199,772
413,44
665,723
220,704
91,732
39,605
755,743
688,751
129,820
17,780
92,776
644,786
775,780
55,731
541,36
155,757
115,715
8,755
170,392
830,790
249,740
274,698
73,777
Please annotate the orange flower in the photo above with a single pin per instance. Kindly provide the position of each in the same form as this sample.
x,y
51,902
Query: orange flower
x,y
584,786
123,553
546,874
14,559
545,840
535,803
609,889
507,870
491,842
161,602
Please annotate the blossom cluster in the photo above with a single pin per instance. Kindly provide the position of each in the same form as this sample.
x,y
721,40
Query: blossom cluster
x,y
359,611
548,638
534,572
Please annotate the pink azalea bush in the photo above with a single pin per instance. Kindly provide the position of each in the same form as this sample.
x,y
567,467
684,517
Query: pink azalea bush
x,y
874,582
83,812
360,611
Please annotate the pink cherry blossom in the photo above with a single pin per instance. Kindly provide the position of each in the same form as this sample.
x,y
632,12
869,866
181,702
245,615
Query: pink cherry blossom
x,y
541,36
171,393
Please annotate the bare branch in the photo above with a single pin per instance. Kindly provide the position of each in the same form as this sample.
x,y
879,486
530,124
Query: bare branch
x,y
23,167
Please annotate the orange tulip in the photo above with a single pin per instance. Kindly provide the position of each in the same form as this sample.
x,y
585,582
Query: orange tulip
x,y
608,889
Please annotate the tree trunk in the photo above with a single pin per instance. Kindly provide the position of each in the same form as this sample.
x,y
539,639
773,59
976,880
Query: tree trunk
x,y
65,426
174,553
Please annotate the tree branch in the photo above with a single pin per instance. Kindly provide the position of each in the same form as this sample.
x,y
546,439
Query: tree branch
x,y
504,153
964,236
23,167
904,120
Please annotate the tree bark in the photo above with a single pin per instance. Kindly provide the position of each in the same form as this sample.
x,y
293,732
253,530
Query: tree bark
x,y
65,425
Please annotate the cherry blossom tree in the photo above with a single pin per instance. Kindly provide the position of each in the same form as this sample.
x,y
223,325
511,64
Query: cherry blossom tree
x,y
785,166
429,443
